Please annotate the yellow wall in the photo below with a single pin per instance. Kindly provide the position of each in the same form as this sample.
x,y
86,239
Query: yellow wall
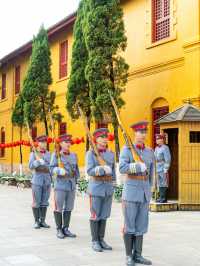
x,y
162,74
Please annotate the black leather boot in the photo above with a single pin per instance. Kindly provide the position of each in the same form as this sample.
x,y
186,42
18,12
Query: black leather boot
x,y
128,242
138,252
58,221
94,227
36,214
102,229
163,195
43,211
160,192
66,221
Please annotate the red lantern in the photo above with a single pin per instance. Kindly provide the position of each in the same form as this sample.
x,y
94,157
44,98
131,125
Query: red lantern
x,y
49,140
76,141
111,137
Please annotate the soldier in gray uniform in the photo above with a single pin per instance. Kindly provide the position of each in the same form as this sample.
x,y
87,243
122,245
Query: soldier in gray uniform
x,y
163,161
136,194
41,182
100,189
64,186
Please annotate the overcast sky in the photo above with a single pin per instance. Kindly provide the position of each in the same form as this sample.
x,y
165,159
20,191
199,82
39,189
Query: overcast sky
x,y
21,19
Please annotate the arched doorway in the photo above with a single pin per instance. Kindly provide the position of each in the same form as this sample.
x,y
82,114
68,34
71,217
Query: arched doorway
x,y
159,107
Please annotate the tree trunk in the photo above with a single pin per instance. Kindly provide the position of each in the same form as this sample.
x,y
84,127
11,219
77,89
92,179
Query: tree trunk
x,y
21,155
115,123
87,146
117,146
45,118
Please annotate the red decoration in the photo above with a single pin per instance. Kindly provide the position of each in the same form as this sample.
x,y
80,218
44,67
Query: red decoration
x,y
49,140
111,137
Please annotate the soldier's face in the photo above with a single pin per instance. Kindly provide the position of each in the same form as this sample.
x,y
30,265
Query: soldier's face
x,y
159,142
140,136
65,145
102,141
42,145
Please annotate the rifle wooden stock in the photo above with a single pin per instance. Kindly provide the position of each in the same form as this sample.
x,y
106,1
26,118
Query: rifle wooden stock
x,y
127,138
92,144
37,155
56,145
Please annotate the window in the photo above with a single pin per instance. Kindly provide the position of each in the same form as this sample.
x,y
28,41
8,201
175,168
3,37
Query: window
x,y
160,19
63,59
34,133
3,89
101,125
3,138
62,128
194,136
17,79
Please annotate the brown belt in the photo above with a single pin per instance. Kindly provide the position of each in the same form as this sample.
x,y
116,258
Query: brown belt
x,y
64,177
137,177
42,170
160,161
105,178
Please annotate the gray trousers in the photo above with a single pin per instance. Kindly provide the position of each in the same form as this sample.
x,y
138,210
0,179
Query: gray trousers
x,y
100,207
162,179
40,195
136,217
64,200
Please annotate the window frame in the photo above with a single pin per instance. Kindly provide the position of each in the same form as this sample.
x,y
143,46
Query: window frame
x,y
63,65
3,86
2,150
156,21
17,82
149,25
59,128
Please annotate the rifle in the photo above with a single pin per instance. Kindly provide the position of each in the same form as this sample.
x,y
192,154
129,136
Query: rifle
x,y
56,145
155,182
127,138
37,155
92,144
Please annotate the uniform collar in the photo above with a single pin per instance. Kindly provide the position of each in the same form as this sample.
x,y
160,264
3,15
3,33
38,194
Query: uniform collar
x,y
43,151
65,153
140,146
101,150
160,145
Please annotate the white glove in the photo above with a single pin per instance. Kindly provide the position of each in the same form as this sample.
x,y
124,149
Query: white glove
x,y
107,169
143,167
59,171
99,170
165,171
42,162
62,171
133,167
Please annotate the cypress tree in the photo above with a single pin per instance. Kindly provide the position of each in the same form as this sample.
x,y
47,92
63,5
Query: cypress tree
x,y
35,87
106,70
78,88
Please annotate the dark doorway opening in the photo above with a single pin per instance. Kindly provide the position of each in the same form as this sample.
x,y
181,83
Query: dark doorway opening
x,y
173,172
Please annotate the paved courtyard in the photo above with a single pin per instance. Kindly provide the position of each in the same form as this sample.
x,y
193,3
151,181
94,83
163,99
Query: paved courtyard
x,y
173,238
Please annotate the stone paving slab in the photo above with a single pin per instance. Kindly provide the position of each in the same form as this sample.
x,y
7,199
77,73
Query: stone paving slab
x,y
173,238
